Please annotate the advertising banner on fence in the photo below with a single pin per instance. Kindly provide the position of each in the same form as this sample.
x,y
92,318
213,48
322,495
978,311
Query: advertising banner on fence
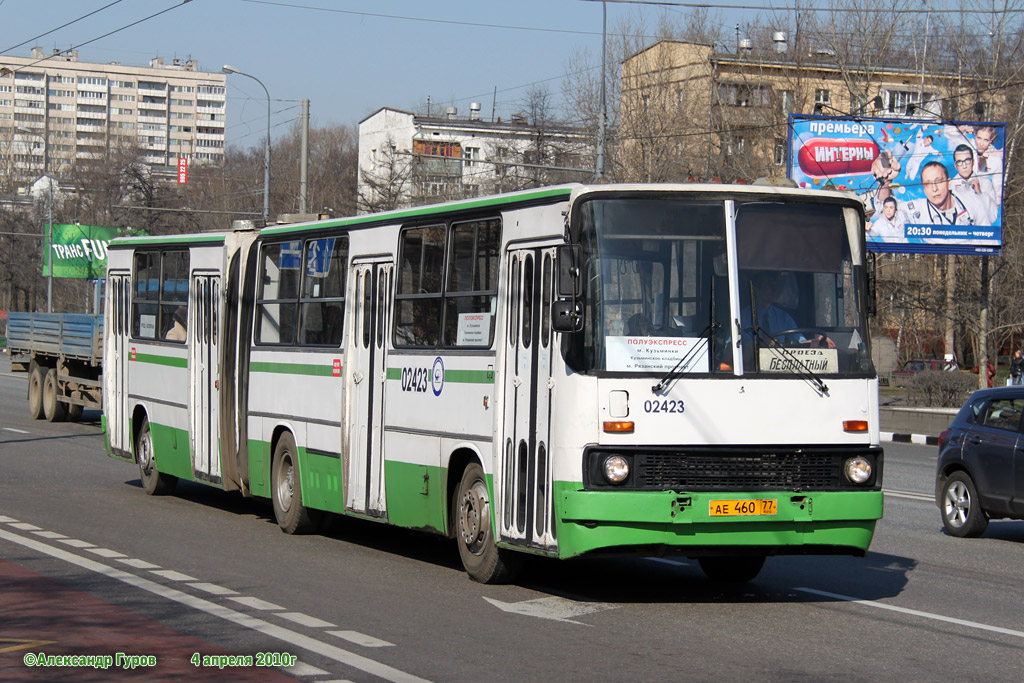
x,y
927,186
79,250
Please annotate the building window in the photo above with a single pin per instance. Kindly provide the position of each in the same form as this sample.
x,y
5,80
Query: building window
x,y
91,80
734,145
787,102
780,152
470,154
822,96
740,95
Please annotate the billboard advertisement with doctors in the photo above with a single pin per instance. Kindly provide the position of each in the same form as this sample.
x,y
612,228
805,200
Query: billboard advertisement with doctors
x,y
927,186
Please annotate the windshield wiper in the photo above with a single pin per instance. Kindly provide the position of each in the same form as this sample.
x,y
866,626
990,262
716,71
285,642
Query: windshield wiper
x,y
798,365
684,362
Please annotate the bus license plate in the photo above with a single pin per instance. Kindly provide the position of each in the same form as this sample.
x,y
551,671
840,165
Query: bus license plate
x,y
743,508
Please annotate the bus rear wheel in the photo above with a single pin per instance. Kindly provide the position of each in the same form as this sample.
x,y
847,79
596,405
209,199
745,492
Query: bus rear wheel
x,y
54,409
483,560
37,374
154,482
736,569
291,515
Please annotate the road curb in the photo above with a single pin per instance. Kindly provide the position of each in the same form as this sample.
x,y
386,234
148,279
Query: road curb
x,y
922,439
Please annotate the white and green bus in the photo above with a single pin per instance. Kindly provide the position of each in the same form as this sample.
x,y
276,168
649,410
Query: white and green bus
x,y
567,371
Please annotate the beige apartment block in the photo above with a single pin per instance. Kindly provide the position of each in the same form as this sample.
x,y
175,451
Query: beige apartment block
x,y
57,112
689,110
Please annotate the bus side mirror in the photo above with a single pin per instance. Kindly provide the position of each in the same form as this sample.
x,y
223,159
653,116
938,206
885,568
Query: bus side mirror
x,y
569,258
566,316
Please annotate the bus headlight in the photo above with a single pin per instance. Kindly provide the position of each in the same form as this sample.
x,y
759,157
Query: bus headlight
x,y
858,469
616,469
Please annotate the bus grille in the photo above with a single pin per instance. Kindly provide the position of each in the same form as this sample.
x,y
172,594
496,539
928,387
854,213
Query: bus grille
x,y
732,469
719,472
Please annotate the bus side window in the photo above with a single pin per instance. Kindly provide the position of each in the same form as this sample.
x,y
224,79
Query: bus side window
x,y
472,284
417,318
322,299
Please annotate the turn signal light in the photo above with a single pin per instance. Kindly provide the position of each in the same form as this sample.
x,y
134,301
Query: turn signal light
x,y
623,427
855,425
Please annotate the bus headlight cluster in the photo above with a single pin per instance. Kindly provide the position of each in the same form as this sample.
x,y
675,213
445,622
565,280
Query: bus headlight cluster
x,y
858,469
616,469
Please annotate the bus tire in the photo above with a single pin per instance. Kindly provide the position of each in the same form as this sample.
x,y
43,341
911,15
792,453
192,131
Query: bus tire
x,y
734,569
291,515
36,376
53,409
154,482
483,559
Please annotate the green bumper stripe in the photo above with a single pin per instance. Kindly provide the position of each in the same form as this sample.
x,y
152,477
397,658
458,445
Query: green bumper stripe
x,y
153,359
316,370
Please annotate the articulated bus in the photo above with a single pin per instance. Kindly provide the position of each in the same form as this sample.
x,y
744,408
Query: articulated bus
x,y
568,371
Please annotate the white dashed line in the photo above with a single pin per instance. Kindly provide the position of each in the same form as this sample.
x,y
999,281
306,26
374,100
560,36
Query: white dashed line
x,y
300,669
172,575
75,543
139,564
25,526
285,635
105,552
256,603
213,588
306,620
7,520
49,534
361,639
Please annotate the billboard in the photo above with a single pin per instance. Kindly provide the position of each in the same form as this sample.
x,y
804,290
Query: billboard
x,y
80,251
927,186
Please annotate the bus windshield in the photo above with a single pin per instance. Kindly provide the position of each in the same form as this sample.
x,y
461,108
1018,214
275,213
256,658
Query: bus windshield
x,y
657,288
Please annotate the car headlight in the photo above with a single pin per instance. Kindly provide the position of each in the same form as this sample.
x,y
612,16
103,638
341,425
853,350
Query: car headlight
x,y
616,469
858,469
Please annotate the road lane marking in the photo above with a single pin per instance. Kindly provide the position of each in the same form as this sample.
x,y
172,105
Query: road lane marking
x,y
25,526
172,575
138,564
49,534
256,603
295,638
554,608
361,639
911,495
7,520
306,620
213,588
916,613
75,543
106,552
16,431
665,560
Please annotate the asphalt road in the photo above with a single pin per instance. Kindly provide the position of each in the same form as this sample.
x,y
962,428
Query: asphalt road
x,y
83,551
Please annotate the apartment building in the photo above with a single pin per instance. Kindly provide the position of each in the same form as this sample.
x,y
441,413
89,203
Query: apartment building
x,y
409,159
56,111
697,110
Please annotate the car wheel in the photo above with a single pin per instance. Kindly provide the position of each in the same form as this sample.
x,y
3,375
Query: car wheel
x,y
961,510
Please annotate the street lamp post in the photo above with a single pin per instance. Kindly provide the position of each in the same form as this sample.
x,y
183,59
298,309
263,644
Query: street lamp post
x,y
266,158
49,218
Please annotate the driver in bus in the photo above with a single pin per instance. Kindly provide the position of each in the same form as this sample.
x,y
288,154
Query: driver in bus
x,y
771,317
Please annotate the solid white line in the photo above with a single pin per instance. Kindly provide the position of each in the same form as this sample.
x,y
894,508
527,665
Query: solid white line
x,y
361,639
288,636
912,495
16,431
916,613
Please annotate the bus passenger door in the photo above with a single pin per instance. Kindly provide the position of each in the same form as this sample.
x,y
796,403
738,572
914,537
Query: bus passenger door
x,y
367,342
203,369
116,357
526,499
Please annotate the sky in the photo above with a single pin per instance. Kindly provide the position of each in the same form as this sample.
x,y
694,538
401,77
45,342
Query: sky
x,y
348,57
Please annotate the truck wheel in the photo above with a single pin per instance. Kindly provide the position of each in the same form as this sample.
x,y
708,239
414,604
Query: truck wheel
x,y
153,482
35,391
54,410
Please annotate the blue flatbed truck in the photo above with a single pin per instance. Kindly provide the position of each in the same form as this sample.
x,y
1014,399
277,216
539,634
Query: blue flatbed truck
x,y
62,353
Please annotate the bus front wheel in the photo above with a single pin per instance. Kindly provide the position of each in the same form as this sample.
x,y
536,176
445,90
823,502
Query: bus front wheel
x,y
291,515
154,482
483,560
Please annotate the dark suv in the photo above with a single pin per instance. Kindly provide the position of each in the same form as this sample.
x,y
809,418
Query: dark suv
x,y
980,474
